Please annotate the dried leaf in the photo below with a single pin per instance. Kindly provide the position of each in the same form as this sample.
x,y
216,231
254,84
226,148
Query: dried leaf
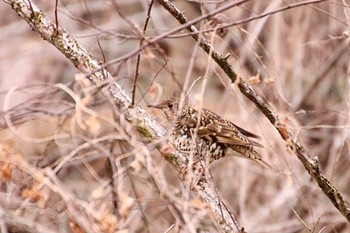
x,y
98,193
75,228
94,125
270,81
254,80
5,150
35,196
107,220
126,203
136,165
5,172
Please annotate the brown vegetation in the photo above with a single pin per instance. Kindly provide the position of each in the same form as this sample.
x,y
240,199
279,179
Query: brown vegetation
x,y
71,159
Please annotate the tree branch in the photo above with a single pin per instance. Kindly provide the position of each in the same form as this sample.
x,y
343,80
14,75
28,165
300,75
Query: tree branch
x,y
311,165
99,76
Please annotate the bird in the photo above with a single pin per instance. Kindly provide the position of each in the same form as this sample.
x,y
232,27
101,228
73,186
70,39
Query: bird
x,y
205,135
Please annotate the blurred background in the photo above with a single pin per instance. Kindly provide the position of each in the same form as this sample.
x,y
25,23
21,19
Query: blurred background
x,y
296,59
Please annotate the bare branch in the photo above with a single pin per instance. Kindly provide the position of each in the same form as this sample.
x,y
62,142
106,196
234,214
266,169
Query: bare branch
x,y
17,223
139,55
311,165
145,123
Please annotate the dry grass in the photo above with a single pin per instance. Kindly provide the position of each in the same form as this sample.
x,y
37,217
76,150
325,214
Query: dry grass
x,y
60,133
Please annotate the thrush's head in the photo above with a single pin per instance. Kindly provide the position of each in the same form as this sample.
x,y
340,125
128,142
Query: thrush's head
x,y
169,106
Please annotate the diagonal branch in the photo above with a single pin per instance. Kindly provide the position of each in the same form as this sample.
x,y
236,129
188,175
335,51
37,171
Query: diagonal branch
x,y
99,77
310,164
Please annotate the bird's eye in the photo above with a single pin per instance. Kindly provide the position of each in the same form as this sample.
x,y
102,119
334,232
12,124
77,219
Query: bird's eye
x,y
170,105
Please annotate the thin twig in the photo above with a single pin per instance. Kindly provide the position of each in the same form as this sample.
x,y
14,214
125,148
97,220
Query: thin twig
x,y
242,21
311,165
151,83
139,55
164,35
56,14
88,65
195,32
322,74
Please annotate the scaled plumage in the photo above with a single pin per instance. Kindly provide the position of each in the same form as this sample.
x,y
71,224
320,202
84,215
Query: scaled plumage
x,y
206,135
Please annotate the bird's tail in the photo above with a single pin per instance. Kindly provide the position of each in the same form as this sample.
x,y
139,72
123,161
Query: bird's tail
x,y
250,153
266,164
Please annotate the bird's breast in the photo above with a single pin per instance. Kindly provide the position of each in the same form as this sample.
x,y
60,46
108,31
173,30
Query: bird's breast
x,y
186,141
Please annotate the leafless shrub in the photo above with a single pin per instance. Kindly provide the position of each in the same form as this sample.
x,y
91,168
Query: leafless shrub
x,y
71,162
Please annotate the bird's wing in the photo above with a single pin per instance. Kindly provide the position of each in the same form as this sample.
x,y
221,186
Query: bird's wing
x,y
246,132
226,133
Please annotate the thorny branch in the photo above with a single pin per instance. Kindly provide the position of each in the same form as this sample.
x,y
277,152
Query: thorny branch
x,y
311,164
